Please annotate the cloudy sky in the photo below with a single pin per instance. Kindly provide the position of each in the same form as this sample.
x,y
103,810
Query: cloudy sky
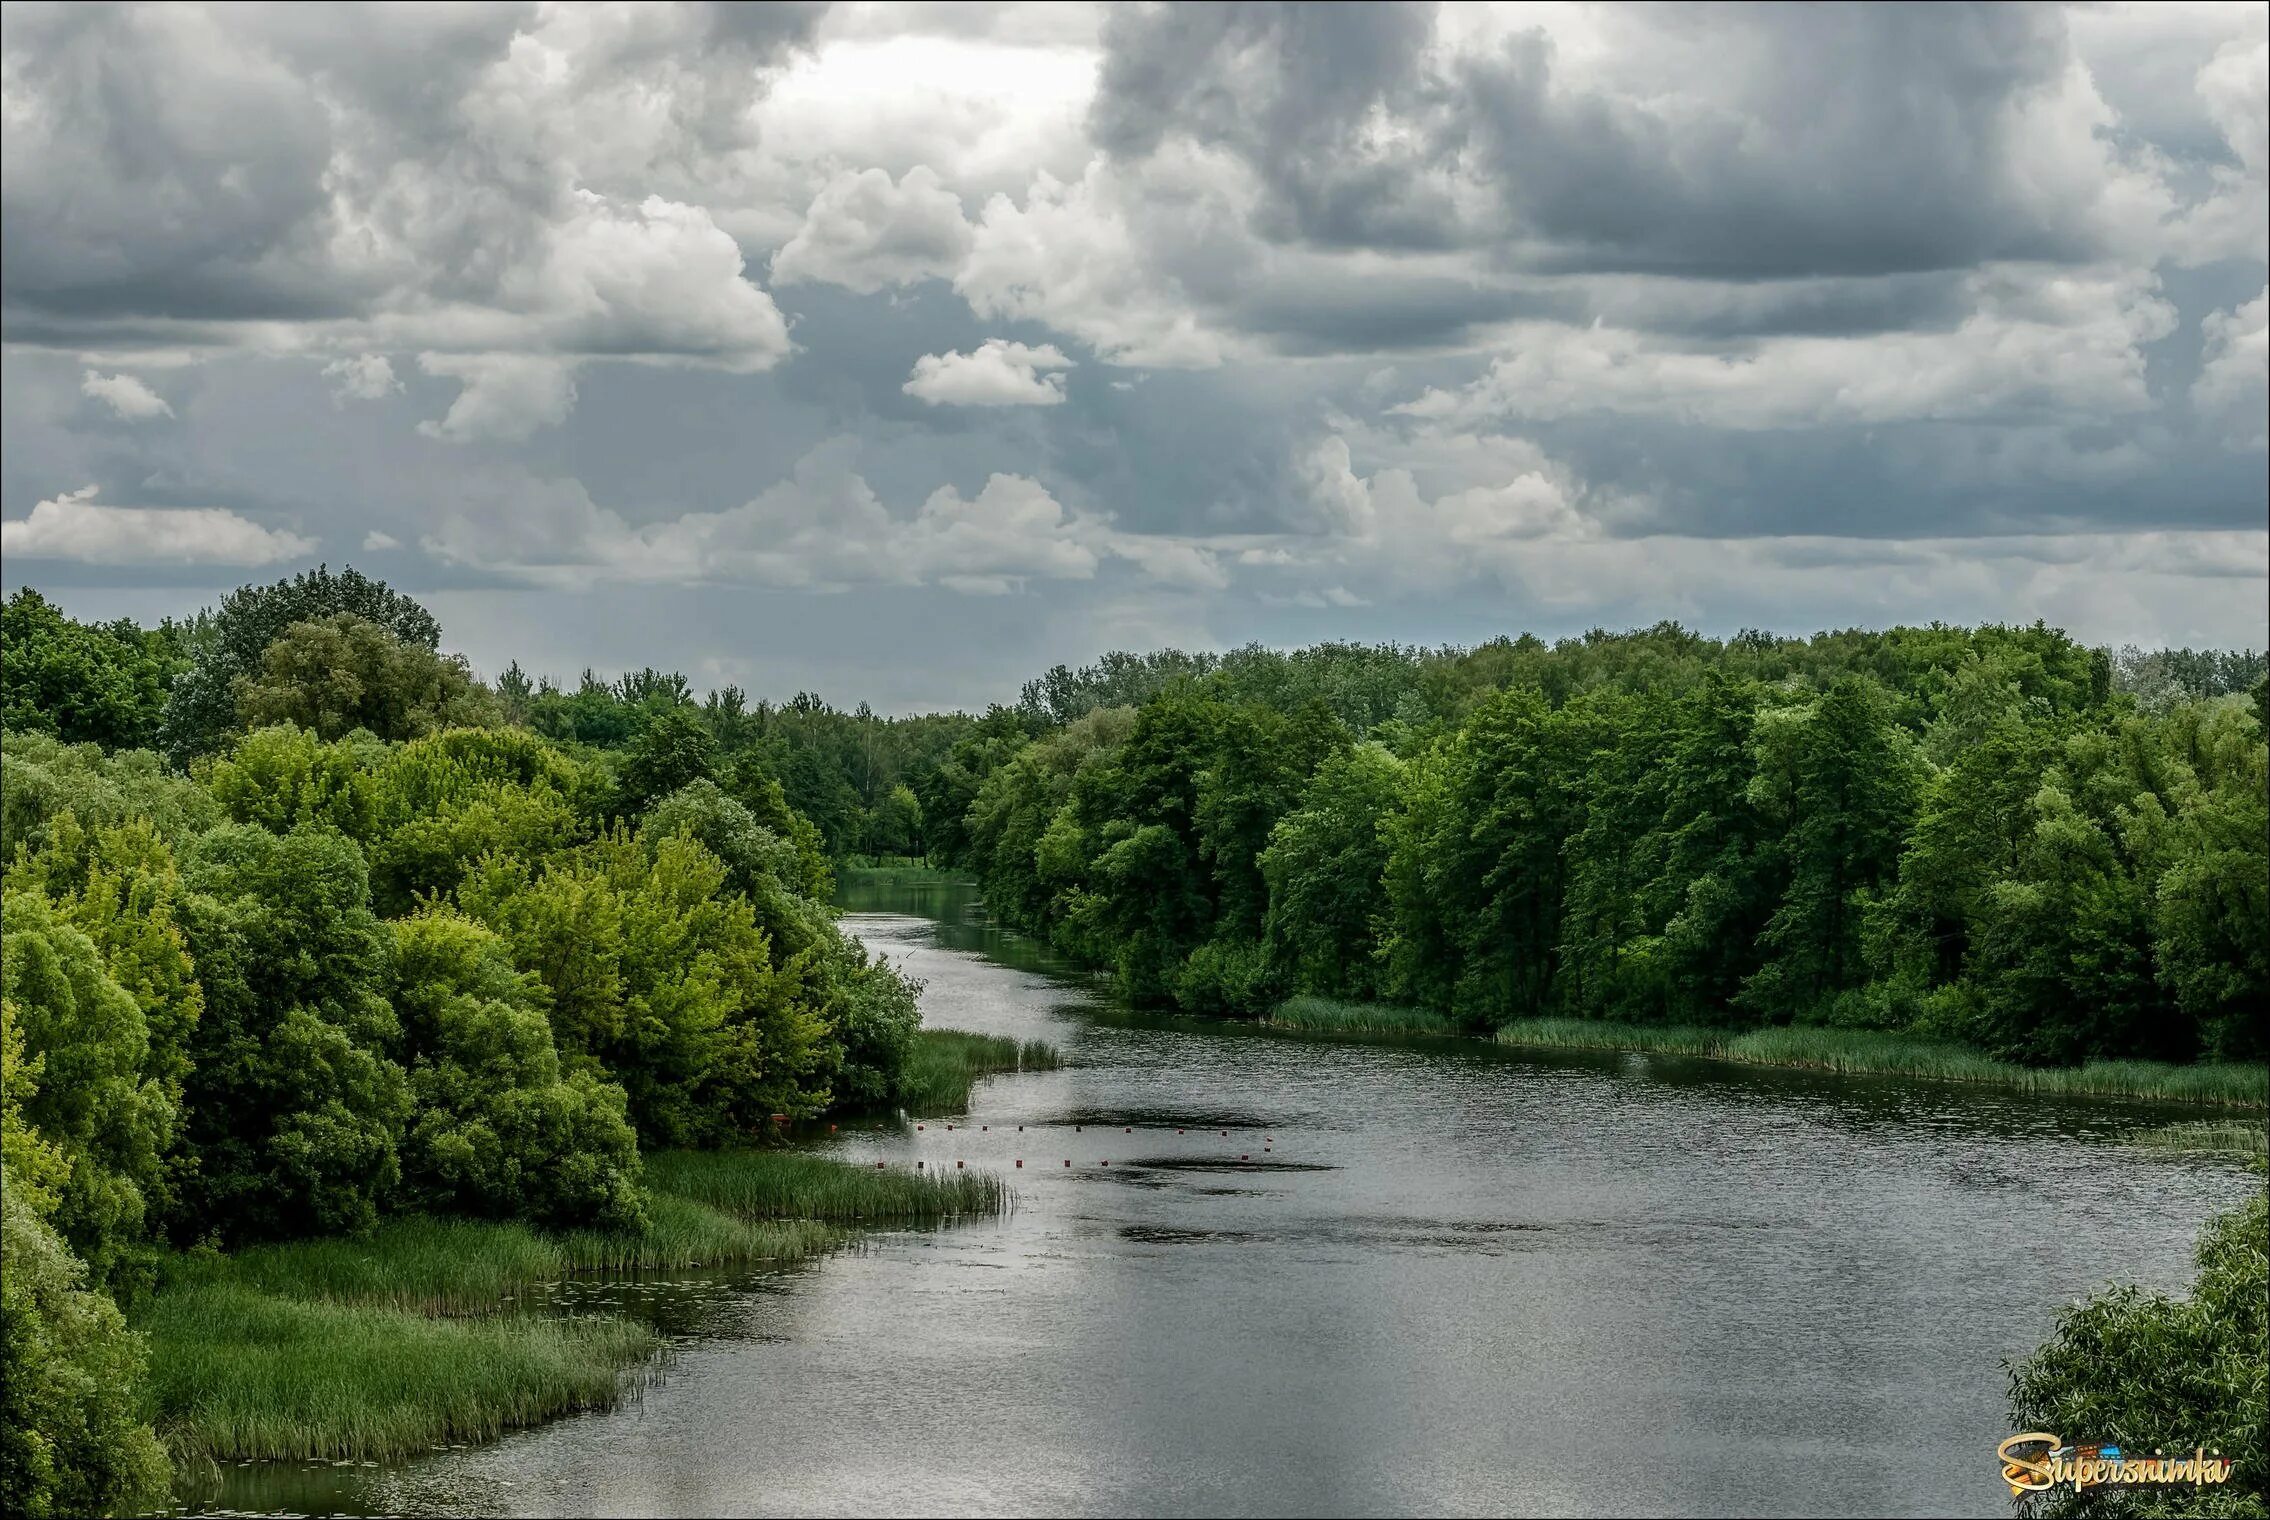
x,y
901,350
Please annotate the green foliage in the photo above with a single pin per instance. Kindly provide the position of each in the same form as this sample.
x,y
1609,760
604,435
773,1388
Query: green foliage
x,y
282,776
335,674
675,749
495,1128
294,1107
1964,835
43,779
201,710
663,984
85,683
73,1440
95,1099
2152,1373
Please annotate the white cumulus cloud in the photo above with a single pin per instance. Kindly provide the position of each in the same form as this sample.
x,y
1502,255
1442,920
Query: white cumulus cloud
x,y
125,395
74,526
865,232
999,373
506,397
361,377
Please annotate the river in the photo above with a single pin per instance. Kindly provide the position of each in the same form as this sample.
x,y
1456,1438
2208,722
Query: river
x,y
1321,1277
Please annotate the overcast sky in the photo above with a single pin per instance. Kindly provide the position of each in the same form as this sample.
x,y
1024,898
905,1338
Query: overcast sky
x,y
900,351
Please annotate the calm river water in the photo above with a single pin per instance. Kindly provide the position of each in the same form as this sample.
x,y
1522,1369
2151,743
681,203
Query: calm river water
x,y
1320,1277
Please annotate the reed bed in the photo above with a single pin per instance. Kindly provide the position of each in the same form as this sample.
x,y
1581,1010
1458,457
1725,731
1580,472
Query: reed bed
x,y
792,1185
2228,1136
1322,1015
239,1373
1879,1053
945,1064
682,1233
425,1266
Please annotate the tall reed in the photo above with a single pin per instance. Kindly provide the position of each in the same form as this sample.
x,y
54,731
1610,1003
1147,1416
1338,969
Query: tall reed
x,y
945,1064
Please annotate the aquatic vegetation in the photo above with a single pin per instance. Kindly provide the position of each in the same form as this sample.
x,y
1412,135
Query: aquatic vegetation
x,y
1877,1053
792,1185
238,1372
1323,1015
945,1064
2234,1136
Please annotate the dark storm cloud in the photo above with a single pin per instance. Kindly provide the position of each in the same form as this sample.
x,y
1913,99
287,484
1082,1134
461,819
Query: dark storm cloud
x,y
1287,87
1836,140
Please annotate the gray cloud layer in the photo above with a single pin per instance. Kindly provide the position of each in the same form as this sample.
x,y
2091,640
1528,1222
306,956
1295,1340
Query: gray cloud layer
x,y
1052,327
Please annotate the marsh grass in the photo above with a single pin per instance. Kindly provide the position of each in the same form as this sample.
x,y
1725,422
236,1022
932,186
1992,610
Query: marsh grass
x,y
945,1064
409,1338
240,1373
1879,1053
2229,1136
426,1266
892,871
791,1185
1322,1015
682,1233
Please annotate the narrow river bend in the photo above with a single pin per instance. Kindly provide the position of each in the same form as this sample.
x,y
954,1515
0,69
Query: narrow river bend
x,y
1448,1279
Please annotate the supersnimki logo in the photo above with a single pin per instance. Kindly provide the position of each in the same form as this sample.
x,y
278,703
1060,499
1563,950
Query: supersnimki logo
x,y
2055,1464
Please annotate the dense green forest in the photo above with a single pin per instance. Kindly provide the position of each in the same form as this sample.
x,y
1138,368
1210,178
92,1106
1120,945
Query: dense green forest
x,y
307,927
1994,836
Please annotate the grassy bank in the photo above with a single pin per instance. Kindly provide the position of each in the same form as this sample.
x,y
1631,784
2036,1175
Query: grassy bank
x,y
1874,1053
239,1373
394,1342
892,871
2227,1136
1854,1051
1322,1015
946,1063
790,1184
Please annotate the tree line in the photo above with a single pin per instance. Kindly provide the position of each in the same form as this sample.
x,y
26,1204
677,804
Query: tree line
x,y
1995,836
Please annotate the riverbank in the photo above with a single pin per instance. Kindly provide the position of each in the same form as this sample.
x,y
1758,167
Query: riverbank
x,y
431,1332
1857,1052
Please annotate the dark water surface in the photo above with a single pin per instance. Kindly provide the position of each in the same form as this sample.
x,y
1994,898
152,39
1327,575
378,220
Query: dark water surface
x,y
1321,1277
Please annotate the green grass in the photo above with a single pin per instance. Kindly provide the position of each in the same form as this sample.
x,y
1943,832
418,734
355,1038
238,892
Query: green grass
x,y
425,1266
1878,1053
892,871
393,1343
946,1063
240,1373
683,1233
2238,1136
792,1185
1322,1015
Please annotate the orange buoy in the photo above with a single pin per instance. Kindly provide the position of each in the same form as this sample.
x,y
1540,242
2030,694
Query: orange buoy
x,y
831,1129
